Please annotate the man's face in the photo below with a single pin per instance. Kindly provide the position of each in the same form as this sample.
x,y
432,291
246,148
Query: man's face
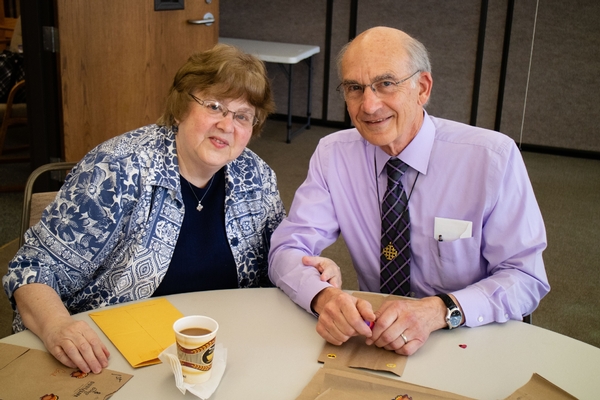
x,y
388,119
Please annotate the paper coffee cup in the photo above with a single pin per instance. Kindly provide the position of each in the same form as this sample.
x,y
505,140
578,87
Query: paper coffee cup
x,y
195,336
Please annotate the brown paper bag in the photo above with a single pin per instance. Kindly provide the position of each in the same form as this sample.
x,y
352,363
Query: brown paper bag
x,y
8,353
539,388
330,383
356,354
33,374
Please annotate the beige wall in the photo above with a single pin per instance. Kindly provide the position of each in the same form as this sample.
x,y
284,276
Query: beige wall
x,y
563,98
564,84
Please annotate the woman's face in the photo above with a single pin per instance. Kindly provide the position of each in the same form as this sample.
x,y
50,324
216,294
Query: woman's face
x,y
207,140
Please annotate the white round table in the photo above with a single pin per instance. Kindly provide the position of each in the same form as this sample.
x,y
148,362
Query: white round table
x,y
273,348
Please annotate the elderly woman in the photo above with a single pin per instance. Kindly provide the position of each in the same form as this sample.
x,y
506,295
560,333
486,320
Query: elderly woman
x,y
169,208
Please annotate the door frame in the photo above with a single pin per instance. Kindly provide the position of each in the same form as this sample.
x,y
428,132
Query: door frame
x,y
42,91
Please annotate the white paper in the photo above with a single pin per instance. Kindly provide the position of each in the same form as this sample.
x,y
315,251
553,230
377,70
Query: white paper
x,y
202,390
452,229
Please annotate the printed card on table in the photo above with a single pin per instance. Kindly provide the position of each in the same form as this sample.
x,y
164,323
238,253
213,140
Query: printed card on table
x,y
34,374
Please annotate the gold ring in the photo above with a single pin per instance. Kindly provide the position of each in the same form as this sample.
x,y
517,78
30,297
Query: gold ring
x,y
404,338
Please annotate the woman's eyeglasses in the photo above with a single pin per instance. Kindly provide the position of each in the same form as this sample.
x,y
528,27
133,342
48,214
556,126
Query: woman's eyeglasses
x,y
244,119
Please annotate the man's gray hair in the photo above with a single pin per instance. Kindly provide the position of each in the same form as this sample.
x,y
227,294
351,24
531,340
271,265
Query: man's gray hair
x,y
418,57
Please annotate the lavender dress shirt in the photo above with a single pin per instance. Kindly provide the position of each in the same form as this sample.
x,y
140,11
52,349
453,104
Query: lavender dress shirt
x,y
465,173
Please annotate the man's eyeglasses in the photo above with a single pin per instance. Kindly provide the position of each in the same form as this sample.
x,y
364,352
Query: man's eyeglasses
x,y
244,119
384,87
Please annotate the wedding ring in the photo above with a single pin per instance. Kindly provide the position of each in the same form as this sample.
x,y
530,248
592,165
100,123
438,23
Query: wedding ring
x,y
404,338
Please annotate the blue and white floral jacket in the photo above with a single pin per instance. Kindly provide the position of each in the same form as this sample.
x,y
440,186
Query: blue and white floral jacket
x,y
109,235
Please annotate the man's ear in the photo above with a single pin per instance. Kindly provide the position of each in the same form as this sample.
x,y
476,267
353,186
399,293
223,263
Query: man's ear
x,y
425,84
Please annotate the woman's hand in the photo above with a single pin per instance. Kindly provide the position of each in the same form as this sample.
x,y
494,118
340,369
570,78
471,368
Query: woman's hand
x,y
73,343
329,270
76,345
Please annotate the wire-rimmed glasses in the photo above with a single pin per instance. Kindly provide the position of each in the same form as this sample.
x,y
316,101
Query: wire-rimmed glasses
x,y
243,118
383,87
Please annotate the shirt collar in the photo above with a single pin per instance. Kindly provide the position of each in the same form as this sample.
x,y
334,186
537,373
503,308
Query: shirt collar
x,y
163,168
418,151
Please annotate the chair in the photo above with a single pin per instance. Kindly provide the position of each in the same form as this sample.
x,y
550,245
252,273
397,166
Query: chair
x,y
12,85
35,203
13,114
8,27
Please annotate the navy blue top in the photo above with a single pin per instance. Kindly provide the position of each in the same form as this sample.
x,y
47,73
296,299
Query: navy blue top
x,y
202,259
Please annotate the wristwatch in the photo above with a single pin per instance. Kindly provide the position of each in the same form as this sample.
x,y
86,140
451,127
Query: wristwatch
x,y
454,315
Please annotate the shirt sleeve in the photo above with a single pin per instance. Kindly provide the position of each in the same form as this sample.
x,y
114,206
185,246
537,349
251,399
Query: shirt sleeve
x,y
68,245
310,227
275,212
513,239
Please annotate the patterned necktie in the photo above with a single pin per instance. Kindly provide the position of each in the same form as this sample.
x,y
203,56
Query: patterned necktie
x,y
395,233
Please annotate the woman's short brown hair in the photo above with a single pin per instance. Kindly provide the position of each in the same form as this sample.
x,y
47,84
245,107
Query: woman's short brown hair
x,y
223,72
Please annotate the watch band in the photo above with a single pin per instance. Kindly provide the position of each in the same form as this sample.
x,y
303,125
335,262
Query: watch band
x,y
454,315
447,300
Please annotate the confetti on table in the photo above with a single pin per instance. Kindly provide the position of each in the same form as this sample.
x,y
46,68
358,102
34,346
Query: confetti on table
x,y
462,346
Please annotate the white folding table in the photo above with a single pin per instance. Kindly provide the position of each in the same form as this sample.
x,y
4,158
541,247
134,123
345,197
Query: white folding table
x,y
284,54
273,347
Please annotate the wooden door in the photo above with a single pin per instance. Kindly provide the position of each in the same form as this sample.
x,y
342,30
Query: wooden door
x,y
117,60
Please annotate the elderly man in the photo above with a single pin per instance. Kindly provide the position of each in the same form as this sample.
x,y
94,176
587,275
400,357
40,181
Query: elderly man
x,y
430,209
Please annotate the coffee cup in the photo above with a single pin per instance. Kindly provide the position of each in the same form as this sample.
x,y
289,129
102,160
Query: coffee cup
x,y
195,338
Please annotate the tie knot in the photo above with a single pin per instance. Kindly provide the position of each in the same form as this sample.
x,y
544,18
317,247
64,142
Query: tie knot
x,y
395,169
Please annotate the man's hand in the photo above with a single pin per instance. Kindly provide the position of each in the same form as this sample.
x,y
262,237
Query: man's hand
x,y
330,272
76,345
413,319
341,315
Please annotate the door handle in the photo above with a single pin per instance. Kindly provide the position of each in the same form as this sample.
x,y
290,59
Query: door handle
x,y
208,20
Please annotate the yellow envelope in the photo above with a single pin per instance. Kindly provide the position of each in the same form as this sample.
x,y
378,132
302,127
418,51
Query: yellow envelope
x,y
140,331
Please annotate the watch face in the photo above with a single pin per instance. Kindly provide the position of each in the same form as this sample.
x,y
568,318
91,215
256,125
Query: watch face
x,y
455,318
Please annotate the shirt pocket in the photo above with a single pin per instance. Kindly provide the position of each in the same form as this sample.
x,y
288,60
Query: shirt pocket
x,y
454,264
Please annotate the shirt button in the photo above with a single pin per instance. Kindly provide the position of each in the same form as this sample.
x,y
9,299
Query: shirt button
x,y
412,294
506,316
480,319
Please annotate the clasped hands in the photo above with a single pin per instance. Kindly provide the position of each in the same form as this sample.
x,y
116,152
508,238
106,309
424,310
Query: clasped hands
x,y
402,325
